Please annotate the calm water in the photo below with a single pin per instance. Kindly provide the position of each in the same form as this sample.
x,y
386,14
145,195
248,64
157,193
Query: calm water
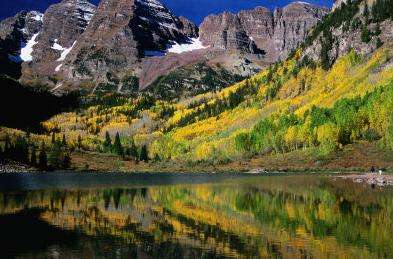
x,y
192,216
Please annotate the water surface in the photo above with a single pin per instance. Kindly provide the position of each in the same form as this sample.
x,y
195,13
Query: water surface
x,y
192,216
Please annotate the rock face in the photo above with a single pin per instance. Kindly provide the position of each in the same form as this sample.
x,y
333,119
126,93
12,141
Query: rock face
x,y
348,35
125,45
15,31
14,34
120,34
226,32
63,23
262,31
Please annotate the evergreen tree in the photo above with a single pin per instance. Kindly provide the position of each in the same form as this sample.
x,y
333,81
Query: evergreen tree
x,y
55,156
1,153
133,150
42,157
66,161
53,138
33,157
107,145
21,150
79,142
7,146
64,141
143,156
117,147
366,35
377,31
379,42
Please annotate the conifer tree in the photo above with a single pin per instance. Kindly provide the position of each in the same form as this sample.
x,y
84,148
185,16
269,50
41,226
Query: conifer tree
x,y
21,150
1,153
133,150
53,138
117,147
379,42
64,141
107,145
33,157
79,142
55,156
42,158
7,146
66,161
143,156
366,35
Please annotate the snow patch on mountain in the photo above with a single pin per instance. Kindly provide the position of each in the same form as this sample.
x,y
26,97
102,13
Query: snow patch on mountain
x,y
57,69
64,51
38,17
27,50
194,44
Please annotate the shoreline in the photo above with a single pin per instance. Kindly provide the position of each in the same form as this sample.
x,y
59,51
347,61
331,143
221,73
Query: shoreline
x,y
373,179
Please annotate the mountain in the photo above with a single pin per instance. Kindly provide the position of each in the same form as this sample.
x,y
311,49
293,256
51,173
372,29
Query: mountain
x,y
327,105
119,36
130,45
358,25
63,23
15,32
260,30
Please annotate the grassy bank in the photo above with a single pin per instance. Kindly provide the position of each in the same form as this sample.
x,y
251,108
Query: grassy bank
x,y
352,158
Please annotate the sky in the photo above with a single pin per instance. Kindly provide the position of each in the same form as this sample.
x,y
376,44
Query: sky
x,y
195,10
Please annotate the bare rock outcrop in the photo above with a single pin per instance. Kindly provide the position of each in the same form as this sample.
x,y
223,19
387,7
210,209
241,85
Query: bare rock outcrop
x,y
260,30
121,33
63,23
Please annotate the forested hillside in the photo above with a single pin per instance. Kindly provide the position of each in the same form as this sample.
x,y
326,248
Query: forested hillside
x,y
304,106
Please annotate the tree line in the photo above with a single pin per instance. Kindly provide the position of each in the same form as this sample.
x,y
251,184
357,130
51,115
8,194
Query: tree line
x,y
44,157
130,151
367,118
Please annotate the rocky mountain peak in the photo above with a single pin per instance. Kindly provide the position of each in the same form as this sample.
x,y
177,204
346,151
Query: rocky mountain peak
x,y
16,31
62,24
120,34
226,32
274,33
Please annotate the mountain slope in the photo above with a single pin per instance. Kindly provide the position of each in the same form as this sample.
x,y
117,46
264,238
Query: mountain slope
x,y
316,103
126,45
260,30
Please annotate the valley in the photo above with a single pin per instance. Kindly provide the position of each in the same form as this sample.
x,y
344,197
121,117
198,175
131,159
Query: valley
x,y
320,101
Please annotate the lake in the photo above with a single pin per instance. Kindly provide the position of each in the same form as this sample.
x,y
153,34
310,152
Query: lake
x,y
65,215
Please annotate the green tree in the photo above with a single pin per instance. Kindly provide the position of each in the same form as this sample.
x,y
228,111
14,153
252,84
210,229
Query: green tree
x,y
53,141
42,157
64,141
79,144
143,156
117,147
133,150
55,156
21,150
379,42
366,35
107,145
33,157
66,161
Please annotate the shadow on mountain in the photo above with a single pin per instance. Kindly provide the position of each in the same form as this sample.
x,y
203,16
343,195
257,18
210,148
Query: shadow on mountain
x,y
24,108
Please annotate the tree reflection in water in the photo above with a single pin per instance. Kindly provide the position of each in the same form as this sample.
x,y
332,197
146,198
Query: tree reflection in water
x,y
291,216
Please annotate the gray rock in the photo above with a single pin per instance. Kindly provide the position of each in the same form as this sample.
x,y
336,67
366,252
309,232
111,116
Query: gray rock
x,y
262,31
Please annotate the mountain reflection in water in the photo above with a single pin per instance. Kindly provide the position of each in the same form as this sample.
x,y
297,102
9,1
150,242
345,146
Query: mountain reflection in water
x,y
260,217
